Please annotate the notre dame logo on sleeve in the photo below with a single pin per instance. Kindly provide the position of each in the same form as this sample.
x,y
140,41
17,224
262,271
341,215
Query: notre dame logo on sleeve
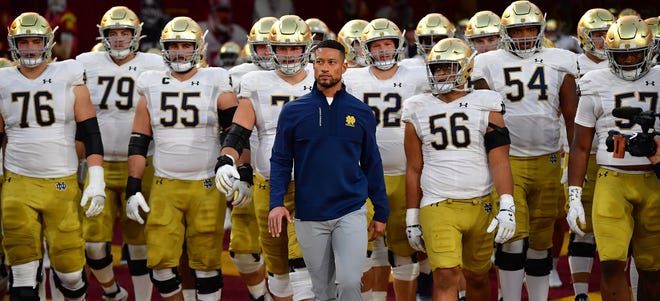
x,y
350,120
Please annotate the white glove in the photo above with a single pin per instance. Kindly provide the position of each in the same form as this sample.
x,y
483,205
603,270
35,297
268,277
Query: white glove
x,y
506,219
135,202
575,209
94,190
243,194
414,230
225,176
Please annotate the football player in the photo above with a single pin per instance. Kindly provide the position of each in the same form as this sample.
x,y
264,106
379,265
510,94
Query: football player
x,y
244,247
627,193
384,85
261,97
483,31
591,31
443,131
44,103
183,110
349,37
537,84
430,29
654,23
111,77
228,55
320,31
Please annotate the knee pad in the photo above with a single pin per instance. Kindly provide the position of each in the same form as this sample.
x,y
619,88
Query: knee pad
x,y
72,285
296,263
167,281
582,246
279,285
25,275
136,257
301,284
379,255
404,268
98,255
539,262
23,293
208,282
511,256
246,263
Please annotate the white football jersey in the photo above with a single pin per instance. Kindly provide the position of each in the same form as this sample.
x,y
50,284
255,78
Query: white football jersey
x,y
237,72
585,64
268,93
184,120
39,120
113,93
530,88
415,61
453,150
385,97
602,91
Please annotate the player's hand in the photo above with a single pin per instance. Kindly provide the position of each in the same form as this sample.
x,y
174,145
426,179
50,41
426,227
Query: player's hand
x,y
505,220
275,218
225,174
575,210
95,191
133,205
414,230
376,229
240,194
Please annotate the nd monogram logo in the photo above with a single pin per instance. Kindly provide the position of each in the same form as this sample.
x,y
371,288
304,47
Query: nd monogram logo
x,y
350,120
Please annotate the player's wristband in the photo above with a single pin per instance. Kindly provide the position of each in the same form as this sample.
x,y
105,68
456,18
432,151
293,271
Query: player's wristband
x,y
246,173
133,186
224,160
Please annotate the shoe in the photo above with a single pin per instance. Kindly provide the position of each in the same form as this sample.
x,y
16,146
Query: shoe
x,y
582,297
120,295
554,279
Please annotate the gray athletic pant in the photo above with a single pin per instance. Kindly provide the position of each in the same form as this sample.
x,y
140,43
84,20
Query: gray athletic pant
x,y
335,252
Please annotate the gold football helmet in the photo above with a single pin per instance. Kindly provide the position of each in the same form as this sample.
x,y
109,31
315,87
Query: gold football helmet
x,y
5,62
31,25
290,30
182,29
595,19
518,14
115,18
348,36
454,59
229,53
98,47
259,36
628,12
380,29
320,31
629,34
654,23
483,24
246,55
431,29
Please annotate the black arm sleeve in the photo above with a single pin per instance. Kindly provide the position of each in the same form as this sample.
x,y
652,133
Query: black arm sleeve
x,y
89,133
139,144
226,116
497,137
238,138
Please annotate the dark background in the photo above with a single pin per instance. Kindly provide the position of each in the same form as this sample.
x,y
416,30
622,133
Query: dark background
x,y
89,12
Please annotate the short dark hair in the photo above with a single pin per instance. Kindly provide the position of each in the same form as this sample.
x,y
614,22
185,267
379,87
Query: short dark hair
x,y
331,44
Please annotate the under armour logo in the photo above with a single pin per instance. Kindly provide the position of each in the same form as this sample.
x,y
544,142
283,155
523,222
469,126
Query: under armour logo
x,y
208,183
50,81
650,83
602,174
538,61
60,186
397,85
195,83
159,181
307,88
262,186
462,104
134,68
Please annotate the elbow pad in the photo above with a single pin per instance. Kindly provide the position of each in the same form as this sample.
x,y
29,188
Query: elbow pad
x,y
496,138
88,131
139,144
238,138
225,117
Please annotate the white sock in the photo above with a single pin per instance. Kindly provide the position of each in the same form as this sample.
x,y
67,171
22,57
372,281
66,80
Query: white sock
x,y
258,290
142,287
189,295
368,295
580,288
379,295
554,263
511,284
461,294
634,278
537,287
